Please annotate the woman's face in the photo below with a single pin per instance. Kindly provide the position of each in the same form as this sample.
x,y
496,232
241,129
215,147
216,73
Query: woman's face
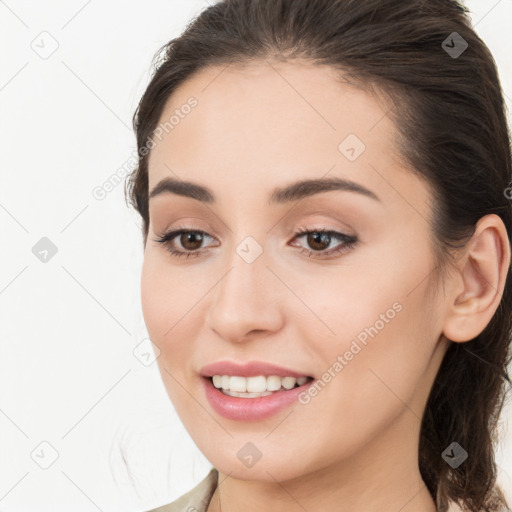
x,y
351,310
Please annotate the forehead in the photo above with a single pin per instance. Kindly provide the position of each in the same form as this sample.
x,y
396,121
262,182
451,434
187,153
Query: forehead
x,y
272,122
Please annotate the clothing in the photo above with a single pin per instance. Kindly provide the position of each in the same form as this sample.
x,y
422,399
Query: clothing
x,y
195,500
198,498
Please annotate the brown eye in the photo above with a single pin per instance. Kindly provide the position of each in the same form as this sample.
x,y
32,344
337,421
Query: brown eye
x,y
191,240
317,240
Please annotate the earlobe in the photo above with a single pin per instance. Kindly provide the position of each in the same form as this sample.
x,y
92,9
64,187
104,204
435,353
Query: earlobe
x,y
478,285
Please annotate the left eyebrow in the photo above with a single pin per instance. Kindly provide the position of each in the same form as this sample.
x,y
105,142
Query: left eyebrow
x,y
293,192
306,188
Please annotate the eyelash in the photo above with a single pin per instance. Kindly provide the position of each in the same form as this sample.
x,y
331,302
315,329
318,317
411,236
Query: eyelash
x,y
348,242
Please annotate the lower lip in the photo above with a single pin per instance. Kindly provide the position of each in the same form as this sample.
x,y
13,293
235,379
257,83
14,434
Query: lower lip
x,y
250,409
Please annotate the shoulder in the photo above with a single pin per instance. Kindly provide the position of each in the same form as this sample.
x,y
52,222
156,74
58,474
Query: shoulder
x,y
197,499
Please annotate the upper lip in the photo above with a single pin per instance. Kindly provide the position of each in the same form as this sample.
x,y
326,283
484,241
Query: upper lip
x,y
250,369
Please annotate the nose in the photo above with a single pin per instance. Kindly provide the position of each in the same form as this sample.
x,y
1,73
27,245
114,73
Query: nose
x,y
247,301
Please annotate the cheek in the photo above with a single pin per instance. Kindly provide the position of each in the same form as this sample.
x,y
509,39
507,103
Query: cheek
x,y
164,293
162,312
151,297
172,310
381,335
163,301
343,305
366,390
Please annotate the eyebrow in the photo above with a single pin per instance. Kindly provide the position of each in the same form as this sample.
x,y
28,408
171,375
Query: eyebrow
x,y
298,190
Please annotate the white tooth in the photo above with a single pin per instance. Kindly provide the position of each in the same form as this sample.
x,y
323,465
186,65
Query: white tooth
x,y
256,384
237,383
273,383
254,395
245,395
288,382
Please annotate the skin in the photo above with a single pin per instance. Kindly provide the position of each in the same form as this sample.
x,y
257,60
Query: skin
x,y
354,446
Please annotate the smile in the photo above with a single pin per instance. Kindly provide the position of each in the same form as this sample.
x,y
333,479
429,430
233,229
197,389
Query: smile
x,y
255,387
253,406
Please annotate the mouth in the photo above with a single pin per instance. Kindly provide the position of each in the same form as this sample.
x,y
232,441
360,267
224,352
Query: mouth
x,y
275,394
257,386
252,391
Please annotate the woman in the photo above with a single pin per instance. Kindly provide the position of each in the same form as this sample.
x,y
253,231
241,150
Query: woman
x,y
326,225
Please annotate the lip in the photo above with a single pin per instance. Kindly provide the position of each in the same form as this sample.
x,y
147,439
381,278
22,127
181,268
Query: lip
x,y
250,369
250,409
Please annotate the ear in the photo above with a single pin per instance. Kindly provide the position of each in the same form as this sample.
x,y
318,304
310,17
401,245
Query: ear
x,y
478,285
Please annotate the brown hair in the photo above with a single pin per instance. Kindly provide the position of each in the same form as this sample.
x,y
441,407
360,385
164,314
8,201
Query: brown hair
x,y
450,114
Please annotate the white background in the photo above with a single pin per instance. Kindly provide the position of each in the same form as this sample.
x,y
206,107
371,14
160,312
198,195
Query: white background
x,y
68,376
